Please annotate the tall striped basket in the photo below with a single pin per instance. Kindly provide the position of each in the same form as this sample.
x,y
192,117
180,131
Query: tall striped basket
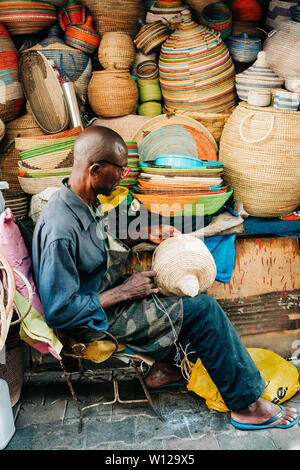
x,y
11,94
196,70
26,16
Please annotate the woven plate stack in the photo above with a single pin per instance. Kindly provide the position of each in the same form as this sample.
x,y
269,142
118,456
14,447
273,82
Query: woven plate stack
x,y
45,160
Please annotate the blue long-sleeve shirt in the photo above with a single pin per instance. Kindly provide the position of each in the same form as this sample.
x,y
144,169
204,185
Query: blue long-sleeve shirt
x,y
69,262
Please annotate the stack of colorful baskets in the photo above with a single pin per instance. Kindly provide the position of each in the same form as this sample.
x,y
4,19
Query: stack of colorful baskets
x,y
12,98
134,162
168,190
46,160
171,191
195,69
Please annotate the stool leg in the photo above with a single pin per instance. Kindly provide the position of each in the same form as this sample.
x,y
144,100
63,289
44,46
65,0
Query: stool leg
x,y
139,375
76,401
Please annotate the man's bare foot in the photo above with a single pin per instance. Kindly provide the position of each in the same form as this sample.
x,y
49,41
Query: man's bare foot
x,y
162,374
261,411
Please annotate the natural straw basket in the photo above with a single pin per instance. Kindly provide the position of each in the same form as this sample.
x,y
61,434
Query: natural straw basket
x,y
116,50
126,126
116,15
184,266
37,185
112,93
259,148
214,122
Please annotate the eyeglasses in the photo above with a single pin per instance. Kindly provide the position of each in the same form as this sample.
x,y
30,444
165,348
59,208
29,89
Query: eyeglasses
x,y
125,170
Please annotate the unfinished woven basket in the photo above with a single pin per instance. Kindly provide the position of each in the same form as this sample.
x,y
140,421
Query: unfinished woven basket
x,y
184,266
259,148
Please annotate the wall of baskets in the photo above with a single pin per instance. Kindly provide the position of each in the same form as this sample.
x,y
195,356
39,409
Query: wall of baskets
x,y
218,82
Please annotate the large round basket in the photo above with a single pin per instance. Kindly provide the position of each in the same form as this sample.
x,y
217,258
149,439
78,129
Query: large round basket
x,y
37,185
165,120
112,93
26,16
12,97
43,92
260,150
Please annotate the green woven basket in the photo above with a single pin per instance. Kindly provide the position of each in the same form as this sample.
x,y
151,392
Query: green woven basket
x,y
206,205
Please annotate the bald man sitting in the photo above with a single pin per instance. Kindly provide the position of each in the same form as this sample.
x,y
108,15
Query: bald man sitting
x,y
78,270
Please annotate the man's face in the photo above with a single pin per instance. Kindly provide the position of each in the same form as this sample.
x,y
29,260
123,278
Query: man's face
x,y
110,172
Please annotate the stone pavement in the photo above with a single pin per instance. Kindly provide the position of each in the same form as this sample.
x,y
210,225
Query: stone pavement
x,y
47,419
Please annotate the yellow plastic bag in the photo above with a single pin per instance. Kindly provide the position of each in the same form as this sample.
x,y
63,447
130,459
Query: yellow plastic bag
x,y
281,376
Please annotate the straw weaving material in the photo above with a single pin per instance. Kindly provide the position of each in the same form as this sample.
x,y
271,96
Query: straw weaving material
x,y
184,266
260,151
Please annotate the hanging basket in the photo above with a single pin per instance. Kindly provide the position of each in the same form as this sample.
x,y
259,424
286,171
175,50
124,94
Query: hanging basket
x,y
259,148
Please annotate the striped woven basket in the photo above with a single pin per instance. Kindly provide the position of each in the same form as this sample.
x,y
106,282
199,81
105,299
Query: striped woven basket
x,y
83,37
31,142
259,148
168,15
23,171
218,17
196,71
11,95
25,16
151,36
49,157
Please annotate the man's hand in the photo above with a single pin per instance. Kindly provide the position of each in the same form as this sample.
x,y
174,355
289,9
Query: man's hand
x,y
137,286
158,233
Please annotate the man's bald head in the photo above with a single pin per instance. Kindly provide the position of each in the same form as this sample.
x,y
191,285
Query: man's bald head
x,y
98,143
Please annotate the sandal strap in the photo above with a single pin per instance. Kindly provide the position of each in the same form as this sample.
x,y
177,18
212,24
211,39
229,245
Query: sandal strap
x,y
275,417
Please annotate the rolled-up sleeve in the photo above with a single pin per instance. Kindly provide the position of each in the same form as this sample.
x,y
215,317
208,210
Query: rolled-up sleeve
x,y
64,304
